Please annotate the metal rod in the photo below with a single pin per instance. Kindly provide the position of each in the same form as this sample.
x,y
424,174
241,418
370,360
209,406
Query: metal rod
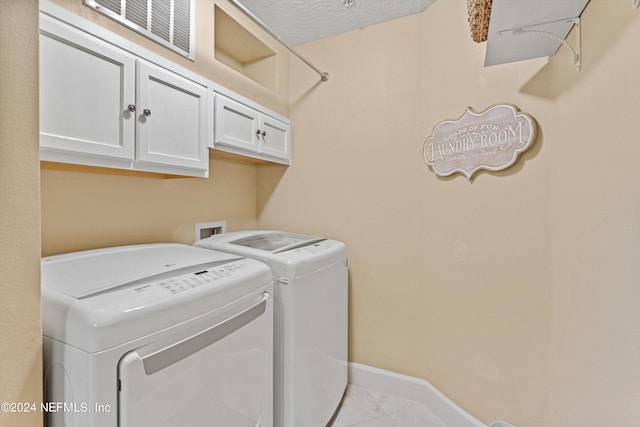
x,y
578,55
324,76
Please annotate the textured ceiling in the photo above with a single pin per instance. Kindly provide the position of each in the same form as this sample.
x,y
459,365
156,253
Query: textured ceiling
x,y
302,21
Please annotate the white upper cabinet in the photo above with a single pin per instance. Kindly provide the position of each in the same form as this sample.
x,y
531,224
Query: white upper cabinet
x,y
106,101
236,125
172,119
86,86
102,106
244,130
275,138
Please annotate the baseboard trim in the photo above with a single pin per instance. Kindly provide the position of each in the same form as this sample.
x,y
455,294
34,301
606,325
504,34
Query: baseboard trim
x,y
413,389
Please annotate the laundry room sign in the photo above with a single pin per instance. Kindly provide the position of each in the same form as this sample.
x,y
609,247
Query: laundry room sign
x,y
490,140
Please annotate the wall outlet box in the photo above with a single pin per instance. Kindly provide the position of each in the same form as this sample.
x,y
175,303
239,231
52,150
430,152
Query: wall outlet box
x,y
208,229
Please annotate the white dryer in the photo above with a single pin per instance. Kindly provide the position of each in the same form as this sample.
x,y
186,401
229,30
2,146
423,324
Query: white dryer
x,y
157,335
310,312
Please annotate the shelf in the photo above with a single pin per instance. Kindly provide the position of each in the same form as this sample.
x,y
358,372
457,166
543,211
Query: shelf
x,y
527,29
240,50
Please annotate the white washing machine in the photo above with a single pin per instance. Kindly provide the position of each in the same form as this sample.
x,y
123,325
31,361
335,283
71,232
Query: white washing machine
x,y
157,335
310,333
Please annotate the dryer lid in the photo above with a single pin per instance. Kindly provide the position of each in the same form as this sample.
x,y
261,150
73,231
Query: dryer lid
x,y
83,274
96,300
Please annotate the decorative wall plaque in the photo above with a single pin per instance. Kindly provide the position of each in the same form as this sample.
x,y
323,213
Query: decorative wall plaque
x,y
490,140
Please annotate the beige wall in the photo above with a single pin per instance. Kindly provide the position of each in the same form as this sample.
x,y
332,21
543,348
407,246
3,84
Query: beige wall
x,y
515,294
84,209
20,333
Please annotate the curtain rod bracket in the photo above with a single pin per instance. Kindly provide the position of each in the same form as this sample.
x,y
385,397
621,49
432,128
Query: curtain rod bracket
x,y
324,76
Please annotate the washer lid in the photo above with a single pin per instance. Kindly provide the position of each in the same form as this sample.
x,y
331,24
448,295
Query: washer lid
x,y
276,241
83,274
287,254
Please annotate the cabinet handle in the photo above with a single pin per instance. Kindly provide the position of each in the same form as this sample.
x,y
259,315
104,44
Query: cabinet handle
x,y
258,133
264,133
146,112
131,108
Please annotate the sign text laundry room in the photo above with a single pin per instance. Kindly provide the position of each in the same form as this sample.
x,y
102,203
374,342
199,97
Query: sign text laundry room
x,y
490,140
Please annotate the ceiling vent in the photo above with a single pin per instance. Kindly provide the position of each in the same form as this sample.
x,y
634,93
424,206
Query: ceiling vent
x,y
168,22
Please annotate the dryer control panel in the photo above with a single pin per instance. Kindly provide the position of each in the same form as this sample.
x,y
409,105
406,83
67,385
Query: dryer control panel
x,y
188,281
98,299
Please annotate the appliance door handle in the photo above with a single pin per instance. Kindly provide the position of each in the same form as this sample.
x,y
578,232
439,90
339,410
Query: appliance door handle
x,y
167,356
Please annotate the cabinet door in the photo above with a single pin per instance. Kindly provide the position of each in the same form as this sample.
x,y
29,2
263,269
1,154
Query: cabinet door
x,y
236,125
86,86
171,119
275,138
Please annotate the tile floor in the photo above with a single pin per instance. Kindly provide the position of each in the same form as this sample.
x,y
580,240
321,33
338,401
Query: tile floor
x,y
362,407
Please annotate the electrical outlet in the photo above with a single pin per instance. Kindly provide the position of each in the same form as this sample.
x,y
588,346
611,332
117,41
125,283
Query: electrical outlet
x,y
208,229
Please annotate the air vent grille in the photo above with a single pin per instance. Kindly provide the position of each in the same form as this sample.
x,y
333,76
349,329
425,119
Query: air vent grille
x,y
112,5
161,19
137,11
168,22
182,23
